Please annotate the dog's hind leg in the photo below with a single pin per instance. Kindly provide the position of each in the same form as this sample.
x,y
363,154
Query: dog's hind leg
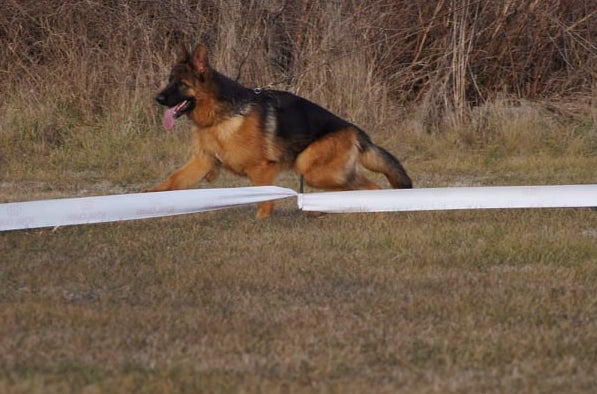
x,y
188,175
331,163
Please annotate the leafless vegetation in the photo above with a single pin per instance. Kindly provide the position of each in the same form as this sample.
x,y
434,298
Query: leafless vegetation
x,y
442,57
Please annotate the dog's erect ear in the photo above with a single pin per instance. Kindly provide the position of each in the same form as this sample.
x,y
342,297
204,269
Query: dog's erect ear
x,y
200,58
183,52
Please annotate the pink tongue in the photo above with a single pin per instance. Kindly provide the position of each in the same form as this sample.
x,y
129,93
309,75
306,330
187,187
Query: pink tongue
x,y
168,121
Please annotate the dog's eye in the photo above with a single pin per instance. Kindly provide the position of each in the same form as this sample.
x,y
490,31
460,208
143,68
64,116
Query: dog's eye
x,y
184,85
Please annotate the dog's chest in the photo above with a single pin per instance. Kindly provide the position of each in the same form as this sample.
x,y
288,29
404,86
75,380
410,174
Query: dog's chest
x,y
234,142
218,138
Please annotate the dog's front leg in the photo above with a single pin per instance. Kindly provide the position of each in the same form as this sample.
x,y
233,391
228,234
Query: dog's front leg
x,y
188,175
264,174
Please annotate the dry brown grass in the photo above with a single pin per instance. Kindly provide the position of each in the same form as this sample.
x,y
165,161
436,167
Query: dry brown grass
x,y
493,301
438,58
487,301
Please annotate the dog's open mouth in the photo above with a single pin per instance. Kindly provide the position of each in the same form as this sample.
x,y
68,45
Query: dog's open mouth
x,y
174,112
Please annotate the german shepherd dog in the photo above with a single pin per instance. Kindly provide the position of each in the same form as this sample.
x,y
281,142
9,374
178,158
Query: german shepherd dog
x,y
260,133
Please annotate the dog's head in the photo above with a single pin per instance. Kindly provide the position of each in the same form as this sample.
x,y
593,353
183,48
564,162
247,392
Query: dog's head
x,y
188,82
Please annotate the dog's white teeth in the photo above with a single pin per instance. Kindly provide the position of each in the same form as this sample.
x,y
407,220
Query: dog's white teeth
x,y
180,107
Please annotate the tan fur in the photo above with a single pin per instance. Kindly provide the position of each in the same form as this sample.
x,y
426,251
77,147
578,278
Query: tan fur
x,y
244,141
332,163
239,145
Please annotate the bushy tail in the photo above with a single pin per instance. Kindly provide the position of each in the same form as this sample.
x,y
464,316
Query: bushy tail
x,y
377,159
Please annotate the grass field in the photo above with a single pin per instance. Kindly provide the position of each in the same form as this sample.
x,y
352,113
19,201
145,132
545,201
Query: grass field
x,y
462,302
466,93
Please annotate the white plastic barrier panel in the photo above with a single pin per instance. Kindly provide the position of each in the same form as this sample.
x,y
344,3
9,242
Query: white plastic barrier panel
x,y
84,210
449,198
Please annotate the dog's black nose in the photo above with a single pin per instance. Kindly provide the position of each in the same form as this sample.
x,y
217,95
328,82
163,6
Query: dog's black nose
x,y
161,99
